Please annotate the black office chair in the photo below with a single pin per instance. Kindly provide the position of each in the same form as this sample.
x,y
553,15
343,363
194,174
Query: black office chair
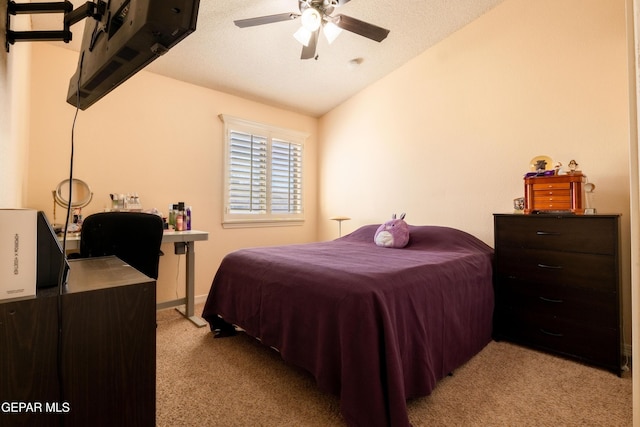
x,y
134,237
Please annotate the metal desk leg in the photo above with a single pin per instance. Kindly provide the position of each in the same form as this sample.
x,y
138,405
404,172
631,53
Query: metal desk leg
x,y
188,311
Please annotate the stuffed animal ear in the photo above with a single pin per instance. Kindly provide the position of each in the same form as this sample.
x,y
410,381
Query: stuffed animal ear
x,y
402,216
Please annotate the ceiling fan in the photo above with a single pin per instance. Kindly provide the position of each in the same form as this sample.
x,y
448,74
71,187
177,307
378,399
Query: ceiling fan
x,y
315,15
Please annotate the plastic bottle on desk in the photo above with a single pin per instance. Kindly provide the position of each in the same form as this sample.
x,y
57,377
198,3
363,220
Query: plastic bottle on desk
x,y
172,217
188,217
180,223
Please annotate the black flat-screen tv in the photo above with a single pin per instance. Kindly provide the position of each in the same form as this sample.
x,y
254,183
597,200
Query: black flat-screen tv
x,y
50,257
122,39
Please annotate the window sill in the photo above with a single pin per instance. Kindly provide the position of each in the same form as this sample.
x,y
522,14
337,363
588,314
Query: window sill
x,y
259,223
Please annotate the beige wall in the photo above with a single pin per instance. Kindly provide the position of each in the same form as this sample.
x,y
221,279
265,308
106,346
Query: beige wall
x,y
14,116
162,139
447,137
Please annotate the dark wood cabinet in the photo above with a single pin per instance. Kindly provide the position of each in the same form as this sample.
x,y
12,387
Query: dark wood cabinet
x,y
557,285
100,369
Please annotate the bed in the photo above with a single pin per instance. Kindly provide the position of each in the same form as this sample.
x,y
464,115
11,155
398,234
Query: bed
x,y
375,326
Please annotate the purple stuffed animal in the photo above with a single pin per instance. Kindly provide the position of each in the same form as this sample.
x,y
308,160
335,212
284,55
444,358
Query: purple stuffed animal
x,y
393,233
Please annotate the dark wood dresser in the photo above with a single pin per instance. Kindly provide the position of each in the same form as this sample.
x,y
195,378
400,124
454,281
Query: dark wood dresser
x,y
557,285
103,373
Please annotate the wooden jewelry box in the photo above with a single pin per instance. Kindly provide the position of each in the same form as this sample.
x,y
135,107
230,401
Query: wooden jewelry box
x,y
554,193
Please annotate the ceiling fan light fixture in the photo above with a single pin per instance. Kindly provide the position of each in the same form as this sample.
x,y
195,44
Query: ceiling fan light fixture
x,y
316,15
331,31
311,19
303,36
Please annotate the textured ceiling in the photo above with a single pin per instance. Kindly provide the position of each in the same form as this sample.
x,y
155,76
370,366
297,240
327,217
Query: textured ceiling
x,y
263,63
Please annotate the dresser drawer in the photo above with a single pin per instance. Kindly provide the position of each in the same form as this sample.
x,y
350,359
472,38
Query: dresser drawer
x,y
551,203
587,306
563,233
552,186
561,268
550,196
599,345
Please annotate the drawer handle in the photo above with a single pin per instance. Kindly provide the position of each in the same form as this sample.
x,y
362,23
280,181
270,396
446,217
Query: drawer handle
x,y
556,301
547,233
553,267
553,334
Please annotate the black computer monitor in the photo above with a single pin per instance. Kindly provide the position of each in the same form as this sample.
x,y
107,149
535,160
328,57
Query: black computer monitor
x,y
51,258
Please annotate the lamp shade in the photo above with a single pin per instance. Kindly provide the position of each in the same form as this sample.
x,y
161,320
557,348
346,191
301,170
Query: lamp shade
x,y
311,19
331,31
303,36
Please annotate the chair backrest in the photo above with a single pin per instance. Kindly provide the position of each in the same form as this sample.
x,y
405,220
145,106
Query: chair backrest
x,y
134,237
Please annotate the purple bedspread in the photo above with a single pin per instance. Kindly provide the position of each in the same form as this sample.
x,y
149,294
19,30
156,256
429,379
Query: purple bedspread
x,y
375,326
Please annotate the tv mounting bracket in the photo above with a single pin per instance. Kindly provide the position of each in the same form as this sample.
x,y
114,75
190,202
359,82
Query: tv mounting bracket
x,y
71,16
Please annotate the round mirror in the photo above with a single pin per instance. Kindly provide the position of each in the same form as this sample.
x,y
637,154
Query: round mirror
x,y
80,193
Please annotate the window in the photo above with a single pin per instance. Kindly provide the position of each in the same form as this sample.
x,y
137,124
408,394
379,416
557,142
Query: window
x,y
262,174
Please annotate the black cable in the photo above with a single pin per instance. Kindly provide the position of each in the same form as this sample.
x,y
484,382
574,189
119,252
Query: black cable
x,y
62,276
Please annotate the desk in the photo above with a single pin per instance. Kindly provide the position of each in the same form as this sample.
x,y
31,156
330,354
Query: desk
x,y
101,369
180,239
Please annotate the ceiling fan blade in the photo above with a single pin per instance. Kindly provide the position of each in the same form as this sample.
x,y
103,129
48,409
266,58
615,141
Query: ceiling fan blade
x,y
261,20
362,28
309,51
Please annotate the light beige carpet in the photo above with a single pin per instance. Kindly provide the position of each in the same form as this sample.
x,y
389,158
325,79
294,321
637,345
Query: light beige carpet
x,y
202,381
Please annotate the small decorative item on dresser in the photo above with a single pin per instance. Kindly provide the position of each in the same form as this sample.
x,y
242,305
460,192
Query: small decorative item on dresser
x,y
518,205
589,188
558,169
540,164
573,166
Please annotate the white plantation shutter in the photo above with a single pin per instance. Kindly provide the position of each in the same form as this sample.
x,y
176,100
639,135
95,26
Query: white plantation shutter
x,y
286,176
247,173
263,175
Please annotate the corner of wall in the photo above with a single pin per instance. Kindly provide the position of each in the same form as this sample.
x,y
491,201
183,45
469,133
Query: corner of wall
x,y
14,101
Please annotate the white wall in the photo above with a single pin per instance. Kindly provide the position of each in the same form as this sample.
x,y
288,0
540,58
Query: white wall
x,y
448,137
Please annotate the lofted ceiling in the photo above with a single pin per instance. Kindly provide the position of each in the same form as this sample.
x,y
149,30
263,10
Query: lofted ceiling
x,y
262,63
